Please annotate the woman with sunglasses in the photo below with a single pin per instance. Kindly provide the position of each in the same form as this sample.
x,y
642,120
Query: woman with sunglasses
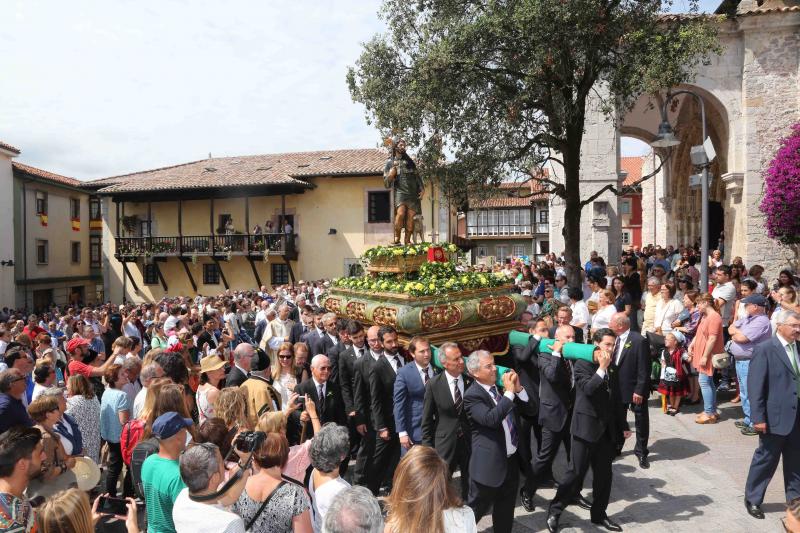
x,y
284,379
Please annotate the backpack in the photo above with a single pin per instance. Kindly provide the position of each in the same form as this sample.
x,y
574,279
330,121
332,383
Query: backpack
x,y
131,435
142,451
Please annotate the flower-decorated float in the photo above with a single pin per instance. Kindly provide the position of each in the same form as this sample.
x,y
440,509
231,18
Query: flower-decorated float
x,y
418,290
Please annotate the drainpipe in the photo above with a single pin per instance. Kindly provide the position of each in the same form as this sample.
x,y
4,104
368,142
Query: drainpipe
x,y
25,239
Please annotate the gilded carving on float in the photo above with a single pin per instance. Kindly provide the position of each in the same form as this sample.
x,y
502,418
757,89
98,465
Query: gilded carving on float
x,y
385,316
494,308
440,316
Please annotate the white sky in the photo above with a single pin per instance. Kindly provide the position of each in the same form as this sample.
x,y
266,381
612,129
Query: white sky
x,y
94,88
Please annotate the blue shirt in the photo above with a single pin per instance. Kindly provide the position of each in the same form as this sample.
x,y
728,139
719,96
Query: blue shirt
x,y
757,329
114,401
13,413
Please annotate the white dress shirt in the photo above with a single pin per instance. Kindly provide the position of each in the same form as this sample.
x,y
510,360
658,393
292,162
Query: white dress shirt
x,y
451,382
622,339
523,395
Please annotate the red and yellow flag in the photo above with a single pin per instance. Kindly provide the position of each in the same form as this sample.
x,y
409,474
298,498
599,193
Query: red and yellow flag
x,y
76,224
43,220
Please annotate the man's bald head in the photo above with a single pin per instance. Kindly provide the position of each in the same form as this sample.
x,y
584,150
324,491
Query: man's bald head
x,y
565,334
620,323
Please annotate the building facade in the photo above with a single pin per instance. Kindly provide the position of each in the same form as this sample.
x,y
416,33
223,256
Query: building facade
x,y
630,203
50,256
507,226
191,228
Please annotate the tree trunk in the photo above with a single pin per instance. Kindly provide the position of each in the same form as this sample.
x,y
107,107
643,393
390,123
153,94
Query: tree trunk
x,y
572,208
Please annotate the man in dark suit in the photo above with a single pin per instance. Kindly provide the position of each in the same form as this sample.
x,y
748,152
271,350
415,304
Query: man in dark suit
x,y
632,359
409,393
445,426
347,362
563,318
494,463
526,363
555,404
315,334
593,434
381,380
362,402
334,352
242,361
329,337
326,395
774,389
305,324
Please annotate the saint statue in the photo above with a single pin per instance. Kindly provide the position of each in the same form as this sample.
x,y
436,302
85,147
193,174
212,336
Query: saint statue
x,y
400,174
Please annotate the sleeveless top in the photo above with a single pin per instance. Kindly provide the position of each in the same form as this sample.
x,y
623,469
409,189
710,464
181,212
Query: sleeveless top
x,y
204,408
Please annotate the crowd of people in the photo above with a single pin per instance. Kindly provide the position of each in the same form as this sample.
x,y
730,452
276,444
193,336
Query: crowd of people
x,y
262,411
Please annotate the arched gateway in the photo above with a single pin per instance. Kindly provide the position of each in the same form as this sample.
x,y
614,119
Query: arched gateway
x,y
751,93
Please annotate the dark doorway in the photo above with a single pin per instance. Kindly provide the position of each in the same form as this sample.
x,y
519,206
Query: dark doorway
x,y
78,295
716,224
42,299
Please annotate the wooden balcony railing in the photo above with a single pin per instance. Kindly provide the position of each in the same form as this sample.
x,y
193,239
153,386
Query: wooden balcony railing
x,y
210,245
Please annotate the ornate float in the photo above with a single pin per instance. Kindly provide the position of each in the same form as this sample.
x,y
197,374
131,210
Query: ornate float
x,y
418,290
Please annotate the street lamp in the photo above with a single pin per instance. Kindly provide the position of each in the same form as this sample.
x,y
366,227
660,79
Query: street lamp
x,y
666,139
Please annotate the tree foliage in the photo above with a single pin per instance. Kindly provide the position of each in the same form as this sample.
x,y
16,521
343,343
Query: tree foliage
x,y
502,86
781,203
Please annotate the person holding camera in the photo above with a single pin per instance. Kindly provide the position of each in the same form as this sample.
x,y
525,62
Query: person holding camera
x,y
200,507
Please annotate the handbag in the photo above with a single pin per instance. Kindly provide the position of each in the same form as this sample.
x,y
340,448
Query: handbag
x,y
670,374
720,360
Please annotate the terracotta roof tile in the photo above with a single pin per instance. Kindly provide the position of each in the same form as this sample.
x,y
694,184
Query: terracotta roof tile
x,y
268,169
633,166
44,174
501,198
9,148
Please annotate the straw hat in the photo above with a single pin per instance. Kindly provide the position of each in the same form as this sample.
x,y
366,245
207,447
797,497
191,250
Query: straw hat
x,y
211,363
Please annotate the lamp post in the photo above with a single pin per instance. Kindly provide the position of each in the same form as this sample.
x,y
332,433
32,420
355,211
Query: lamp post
x,y
666,139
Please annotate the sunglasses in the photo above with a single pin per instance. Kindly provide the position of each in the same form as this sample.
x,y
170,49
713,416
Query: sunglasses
x,y
284,357
323,368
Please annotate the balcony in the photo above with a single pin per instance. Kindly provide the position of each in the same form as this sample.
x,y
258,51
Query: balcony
x,y
131,248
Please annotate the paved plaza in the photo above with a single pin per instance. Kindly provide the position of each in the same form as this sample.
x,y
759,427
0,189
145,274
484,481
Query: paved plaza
x,y
695,482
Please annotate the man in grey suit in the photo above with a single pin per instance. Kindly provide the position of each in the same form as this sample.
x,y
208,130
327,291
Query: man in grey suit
x,y
774,389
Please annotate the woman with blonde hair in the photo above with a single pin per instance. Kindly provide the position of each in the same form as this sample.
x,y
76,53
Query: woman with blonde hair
x,y
169,398
284,379
69,512
707,342
423,499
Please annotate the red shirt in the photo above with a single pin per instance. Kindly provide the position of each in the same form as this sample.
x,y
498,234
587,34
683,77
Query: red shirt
x,y
76,367
33,332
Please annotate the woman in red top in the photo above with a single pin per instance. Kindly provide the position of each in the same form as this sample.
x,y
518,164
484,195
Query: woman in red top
x,y
707,341
674,383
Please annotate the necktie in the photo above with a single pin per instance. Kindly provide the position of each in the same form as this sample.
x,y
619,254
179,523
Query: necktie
x,y
397,362
360,352
616,349
321,399
512,429
458,401
425,377
793,355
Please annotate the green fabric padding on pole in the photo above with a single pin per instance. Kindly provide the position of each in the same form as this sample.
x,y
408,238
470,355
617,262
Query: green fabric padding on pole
x,y
518,338
435,360
572,350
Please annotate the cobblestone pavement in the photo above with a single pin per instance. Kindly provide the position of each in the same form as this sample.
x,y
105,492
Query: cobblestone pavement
x,y
695,482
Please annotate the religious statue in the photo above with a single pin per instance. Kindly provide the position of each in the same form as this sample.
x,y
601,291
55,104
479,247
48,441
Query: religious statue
x,y
400,174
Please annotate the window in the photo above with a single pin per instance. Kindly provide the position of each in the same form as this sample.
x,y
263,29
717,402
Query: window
x,y
280,273
75,251
42,252
223,221
41,203
501,251
379,207
625,207
481,251
95,251
151,274
74,209
144,228
544,247
544,216
210,274
626,237
94,208
518,250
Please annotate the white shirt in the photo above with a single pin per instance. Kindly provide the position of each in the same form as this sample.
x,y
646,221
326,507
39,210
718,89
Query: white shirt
x,y
580,315
322,498
190,516
451,382
394,361
726,292
602,318
317,385
375,355
523,395
622,340
138,402
359,351
533,309
667,312
334,339
459,520
170,323
132,389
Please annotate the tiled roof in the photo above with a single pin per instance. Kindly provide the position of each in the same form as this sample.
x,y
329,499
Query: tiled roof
x,y
45,175
633,166
9,148
253,170
501,197
753,7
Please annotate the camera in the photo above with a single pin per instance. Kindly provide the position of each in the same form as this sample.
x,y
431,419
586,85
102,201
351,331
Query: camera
x,y
249,441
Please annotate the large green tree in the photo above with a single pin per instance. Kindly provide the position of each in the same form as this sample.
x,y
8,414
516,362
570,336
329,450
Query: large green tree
x,y
502,86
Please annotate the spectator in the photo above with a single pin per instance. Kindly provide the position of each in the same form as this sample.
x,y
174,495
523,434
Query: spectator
x,y
202,470
283,376
749,331
302,370
95,341
55,474
21,456
354,510
115,411
791,522
287,509
69,511
150,372
12,409
674,381
44,376
132,367
707,342
330,446
622,298
19,358
668,308
231,406
650,301
605,309
78,349
787,295
32,329
212,375
580,312
299,455
261,395
83,407
423,499
161,476
67,427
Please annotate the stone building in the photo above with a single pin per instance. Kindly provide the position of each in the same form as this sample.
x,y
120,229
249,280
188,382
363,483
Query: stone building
x,y
751,93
